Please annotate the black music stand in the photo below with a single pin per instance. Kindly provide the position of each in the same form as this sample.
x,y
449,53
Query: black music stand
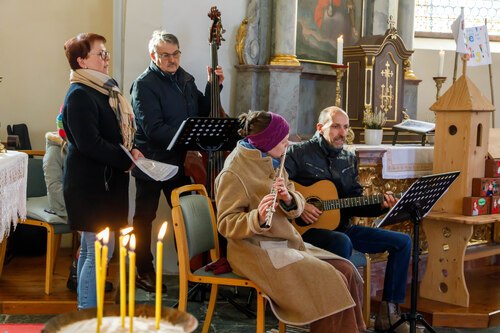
x,y
207,134
414,205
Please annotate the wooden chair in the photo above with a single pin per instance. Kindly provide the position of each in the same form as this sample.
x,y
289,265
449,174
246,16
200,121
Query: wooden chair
x,y
36,215
195,232
360,259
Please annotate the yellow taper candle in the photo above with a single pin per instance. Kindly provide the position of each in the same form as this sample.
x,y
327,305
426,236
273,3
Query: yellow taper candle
x,y
123,255
159,269
98,269
104,267
131,282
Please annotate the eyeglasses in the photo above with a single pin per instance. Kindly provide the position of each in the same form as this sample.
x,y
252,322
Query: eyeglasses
x,y
174,55
103,54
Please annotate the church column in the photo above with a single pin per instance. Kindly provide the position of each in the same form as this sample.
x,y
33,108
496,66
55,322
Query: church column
x,y
285,33
406,28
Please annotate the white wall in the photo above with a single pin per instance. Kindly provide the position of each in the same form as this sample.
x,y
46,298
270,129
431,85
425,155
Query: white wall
x,y
188,20
32,61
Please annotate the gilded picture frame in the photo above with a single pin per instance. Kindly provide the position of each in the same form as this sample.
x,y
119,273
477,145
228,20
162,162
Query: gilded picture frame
x,y
321,22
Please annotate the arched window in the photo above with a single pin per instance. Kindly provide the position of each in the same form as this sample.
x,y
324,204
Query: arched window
x,y
433,18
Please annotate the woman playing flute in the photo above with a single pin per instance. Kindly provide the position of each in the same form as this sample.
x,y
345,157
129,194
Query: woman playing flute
x,y
301,288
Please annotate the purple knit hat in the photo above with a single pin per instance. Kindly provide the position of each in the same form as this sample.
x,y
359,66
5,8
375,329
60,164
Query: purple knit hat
x,y
269,138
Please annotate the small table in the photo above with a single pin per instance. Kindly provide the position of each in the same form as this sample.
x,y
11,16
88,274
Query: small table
x,y
13,180
447,236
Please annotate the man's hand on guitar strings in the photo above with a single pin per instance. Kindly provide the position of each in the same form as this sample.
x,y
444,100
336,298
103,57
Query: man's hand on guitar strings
x,y
310,214
389,200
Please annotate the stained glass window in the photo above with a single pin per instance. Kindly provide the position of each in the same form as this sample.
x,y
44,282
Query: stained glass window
x,y
436,16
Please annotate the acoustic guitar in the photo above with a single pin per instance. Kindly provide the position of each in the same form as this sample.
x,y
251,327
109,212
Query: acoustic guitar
x,y
324,196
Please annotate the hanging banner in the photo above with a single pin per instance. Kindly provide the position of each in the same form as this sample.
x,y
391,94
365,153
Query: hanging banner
x,y
478,46
457,28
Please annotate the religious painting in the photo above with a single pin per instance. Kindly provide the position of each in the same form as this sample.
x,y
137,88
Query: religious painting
x,y
321,22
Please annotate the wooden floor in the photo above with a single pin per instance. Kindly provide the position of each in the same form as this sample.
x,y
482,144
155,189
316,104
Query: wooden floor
x,y
23,280
484,310
22,284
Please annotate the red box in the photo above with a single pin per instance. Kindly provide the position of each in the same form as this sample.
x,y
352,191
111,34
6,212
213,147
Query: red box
x,y
485,187
495,205
492,168
476,206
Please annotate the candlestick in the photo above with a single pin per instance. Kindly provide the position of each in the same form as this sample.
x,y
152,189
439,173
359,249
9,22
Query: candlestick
x,y
339,70
340,49
123,297
159,275
441,64
439,83
131,282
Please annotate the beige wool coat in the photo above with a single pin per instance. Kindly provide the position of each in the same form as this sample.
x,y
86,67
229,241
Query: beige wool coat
x,y
301,287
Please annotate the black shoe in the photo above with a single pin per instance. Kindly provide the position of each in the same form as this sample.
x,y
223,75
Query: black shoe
x,y
72,282
147,282
108,286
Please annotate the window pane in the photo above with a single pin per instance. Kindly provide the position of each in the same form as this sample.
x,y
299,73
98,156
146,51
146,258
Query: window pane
x,y
438,15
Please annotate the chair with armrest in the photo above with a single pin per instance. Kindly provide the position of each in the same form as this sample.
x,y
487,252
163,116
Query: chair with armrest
x,y
36,214
195,232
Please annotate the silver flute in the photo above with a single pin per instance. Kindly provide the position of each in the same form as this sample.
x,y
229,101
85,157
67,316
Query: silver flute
x,y
270,209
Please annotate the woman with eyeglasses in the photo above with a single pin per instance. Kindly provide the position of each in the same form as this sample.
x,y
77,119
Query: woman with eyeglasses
x,y
98,120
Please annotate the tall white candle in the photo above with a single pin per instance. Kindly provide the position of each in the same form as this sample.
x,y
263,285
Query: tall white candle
x,y
441,63
340,50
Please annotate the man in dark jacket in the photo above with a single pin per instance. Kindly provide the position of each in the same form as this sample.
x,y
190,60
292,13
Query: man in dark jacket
x,y
323,158
162,97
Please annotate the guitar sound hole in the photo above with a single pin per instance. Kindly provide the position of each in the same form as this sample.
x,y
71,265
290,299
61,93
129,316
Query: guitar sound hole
x,y
316,202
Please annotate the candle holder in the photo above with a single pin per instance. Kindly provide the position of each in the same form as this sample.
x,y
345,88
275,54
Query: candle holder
x,y
439,83
339,70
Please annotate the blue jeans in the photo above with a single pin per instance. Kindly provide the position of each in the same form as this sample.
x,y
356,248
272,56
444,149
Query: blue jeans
x,y
86,269
371,240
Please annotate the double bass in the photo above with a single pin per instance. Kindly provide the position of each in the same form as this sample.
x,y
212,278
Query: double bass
x,y
199,166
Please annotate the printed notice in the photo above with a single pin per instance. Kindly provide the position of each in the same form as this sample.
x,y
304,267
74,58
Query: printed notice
x,y
157,170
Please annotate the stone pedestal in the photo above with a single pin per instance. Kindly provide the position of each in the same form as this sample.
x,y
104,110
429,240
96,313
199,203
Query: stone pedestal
x,y
269,88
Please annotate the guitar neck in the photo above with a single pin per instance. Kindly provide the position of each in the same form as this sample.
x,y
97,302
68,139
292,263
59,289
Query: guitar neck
x,y
355,201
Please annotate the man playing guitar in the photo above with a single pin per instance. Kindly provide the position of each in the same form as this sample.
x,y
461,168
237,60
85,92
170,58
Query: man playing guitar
x,y
324,158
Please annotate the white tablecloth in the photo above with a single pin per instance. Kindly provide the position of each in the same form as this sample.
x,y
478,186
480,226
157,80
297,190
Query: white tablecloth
x,y
401,162
13,180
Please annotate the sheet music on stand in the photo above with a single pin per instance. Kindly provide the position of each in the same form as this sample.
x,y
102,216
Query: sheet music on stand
x,y
206,134
425,191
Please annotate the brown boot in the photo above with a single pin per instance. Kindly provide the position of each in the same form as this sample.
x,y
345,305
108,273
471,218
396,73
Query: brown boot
x,y
388,315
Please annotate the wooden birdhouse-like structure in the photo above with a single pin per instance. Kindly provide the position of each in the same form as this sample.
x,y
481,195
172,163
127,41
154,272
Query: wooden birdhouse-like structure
x,y
461,141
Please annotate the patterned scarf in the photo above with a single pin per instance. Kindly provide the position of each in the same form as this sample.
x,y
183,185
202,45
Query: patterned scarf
x,y
121,107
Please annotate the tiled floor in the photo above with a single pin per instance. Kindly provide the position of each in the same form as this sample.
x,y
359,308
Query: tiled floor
x,y
226,318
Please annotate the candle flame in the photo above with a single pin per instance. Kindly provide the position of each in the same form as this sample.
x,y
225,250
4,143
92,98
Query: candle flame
x,y
105,236
132,243
162,232
100,235
125,240
125,231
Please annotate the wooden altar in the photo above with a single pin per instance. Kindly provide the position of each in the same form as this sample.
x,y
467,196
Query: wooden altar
x,y
375,80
